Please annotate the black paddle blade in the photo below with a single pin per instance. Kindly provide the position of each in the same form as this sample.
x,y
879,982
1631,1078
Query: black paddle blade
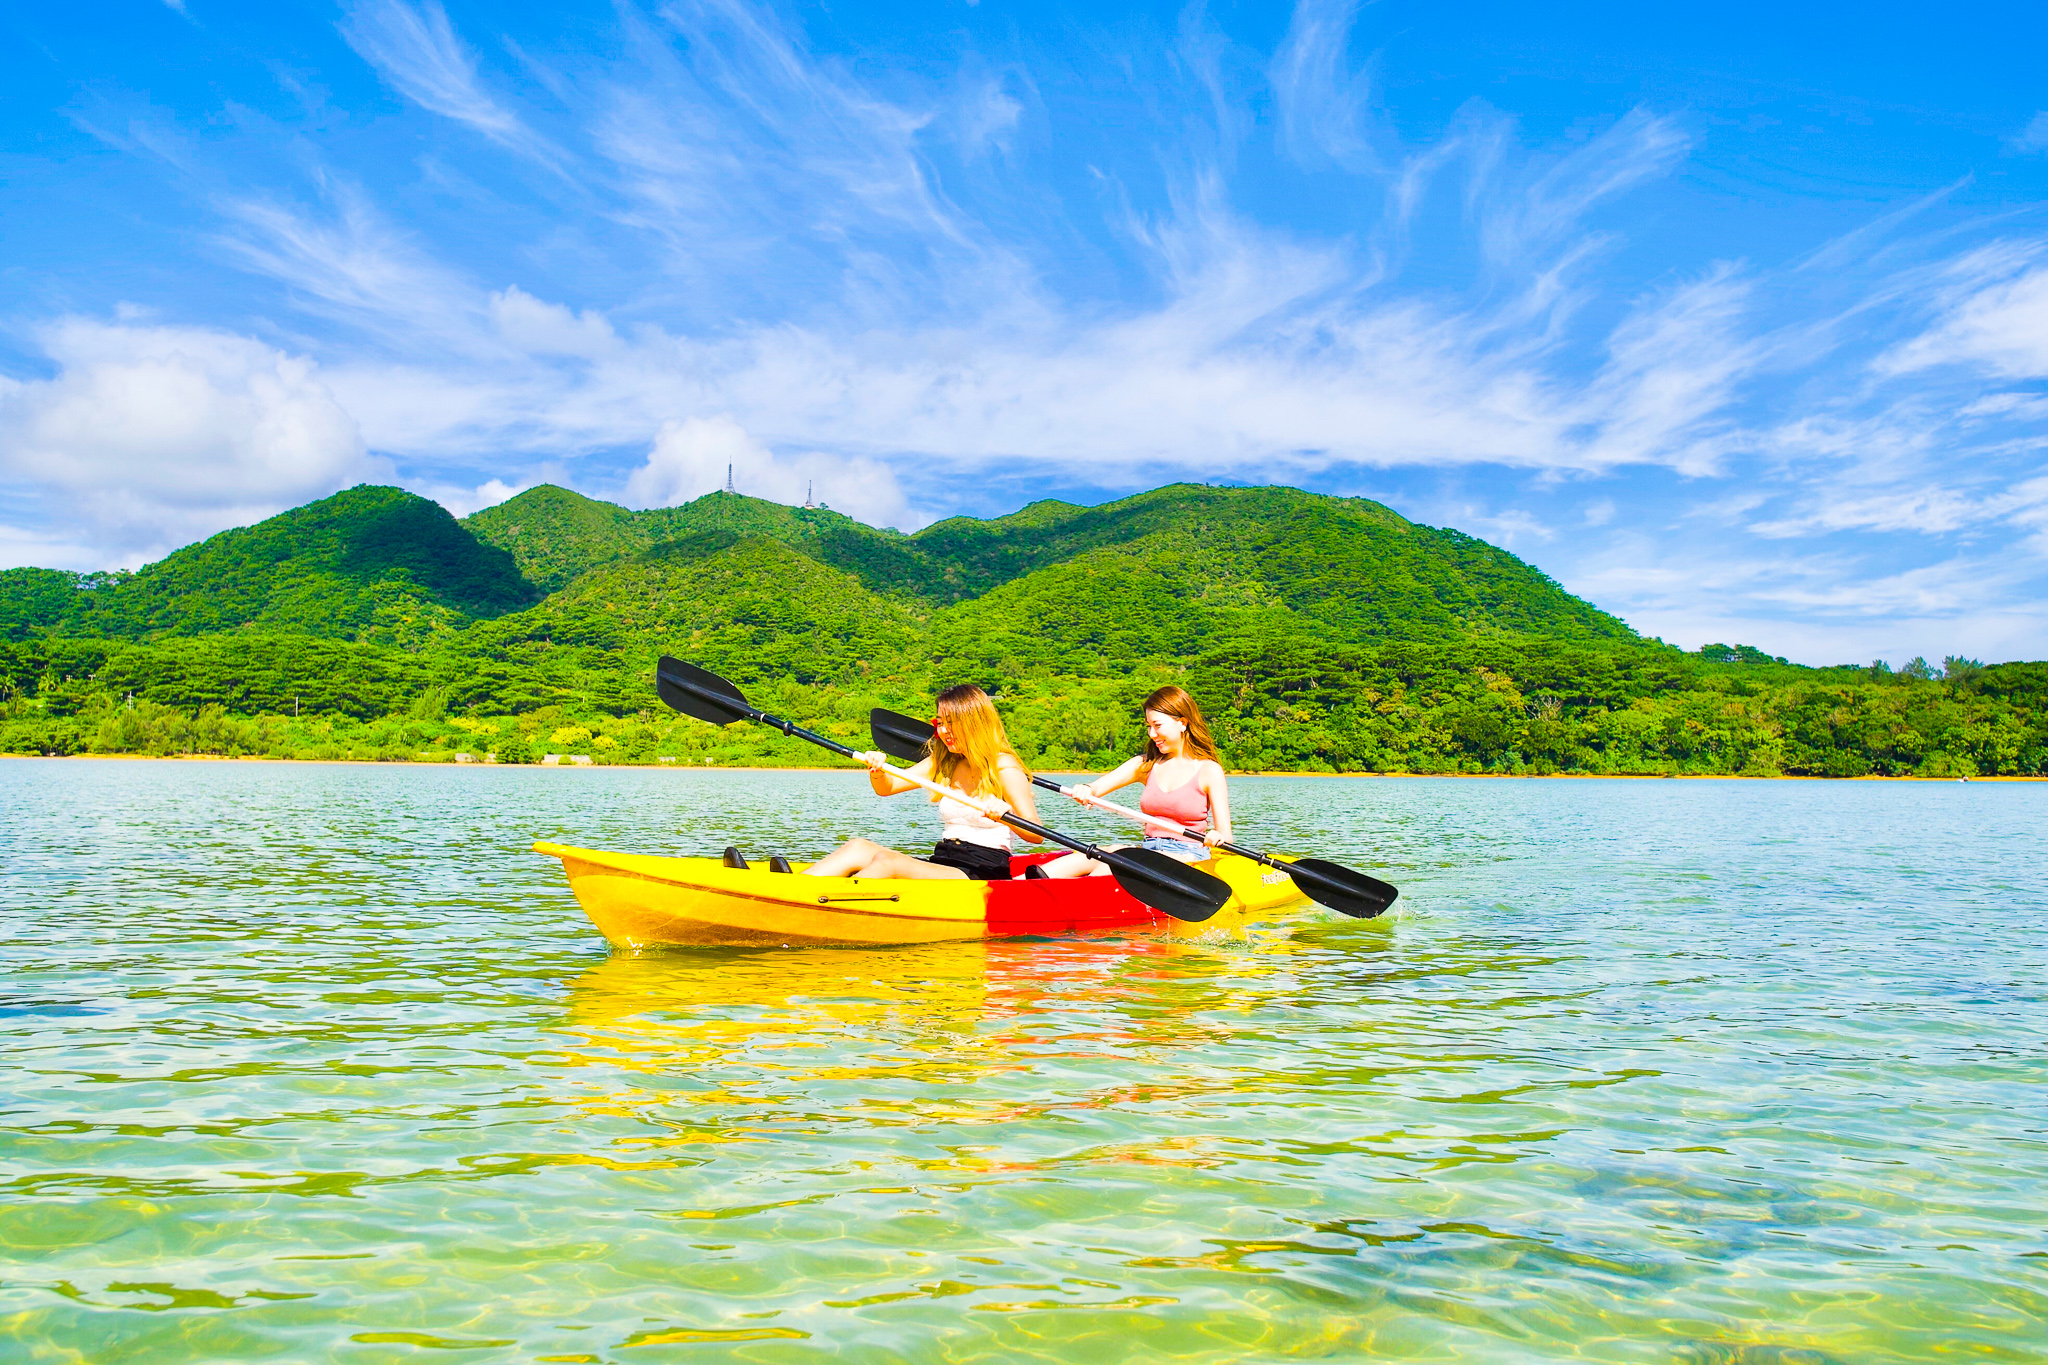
x,y
897,735
1167,884
1343,889
698,694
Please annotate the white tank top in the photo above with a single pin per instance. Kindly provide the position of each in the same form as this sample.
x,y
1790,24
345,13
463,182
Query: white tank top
x,y
958,820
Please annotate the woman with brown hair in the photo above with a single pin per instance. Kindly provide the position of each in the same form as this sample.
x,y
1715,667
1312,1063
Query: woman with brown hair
x,y
1184,785
971,753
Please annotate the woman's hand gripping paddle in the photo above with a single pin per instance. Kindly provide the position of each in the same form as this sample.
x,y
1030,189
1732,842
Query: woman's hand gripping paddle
x,y
1165,884
1346,891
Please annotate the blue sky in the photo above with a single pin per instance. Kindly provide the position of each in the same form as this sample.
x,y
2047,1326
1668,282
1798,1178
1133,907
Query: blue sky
x,y
1732,318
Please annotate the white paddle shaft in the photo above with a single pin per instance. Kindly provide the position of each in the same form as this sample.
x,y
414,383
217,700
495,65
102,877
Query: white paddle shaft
x,y
936,788
1138,815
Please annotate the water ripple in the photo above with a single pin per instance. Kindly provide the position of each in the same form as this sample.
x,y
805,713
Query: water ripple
x,y
320,1062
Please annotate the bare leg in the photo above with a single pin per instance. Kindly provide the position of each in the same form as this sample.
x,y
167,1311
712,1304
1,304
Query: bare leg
x,y
1079,865
866,858
846,860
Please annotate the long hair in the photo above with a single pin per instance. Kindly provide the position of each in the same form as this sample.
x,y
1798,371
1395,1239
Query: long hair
x,y
978,730
1172,701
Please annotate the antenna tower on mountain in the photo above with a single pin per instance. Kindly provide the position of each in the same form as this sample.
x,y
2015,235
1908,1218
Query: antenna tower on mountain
x,y
728,480
810,503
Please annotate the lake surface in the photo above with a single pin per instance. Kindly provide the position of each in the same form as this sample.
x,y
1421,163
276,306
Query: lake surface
x,y
320,1062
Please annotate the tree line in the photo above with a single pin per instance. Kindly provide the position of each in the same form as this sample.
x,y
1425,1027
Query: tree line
x,y
1501,704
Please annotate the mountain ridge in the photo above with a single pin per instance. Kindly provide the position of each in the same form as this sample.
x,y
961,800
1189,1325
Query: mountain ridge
x,y
1452,581
368,563
555,534
1320,633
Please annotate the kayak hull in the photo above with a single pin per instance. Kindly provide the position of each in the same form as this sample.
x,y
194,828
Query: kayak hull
x,y
637,901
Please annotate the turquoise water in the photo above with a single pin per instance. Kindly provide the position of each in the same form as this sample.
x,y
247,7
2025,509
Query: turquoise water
x,y
318,1062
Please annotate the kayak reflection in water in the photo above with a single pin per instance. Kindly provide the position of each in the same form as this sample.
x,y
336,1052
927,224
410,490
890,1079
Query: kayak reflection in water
x,y
971,754
1184,785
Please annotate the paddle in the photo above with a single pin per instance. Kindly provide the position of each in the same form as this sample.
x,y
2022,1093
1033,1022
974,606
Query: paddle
x,y
1167,885
1342,889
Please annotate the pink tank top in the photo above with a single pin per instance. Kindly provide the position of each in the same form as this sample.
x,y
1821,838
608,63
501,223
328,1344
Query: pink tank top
x,y
1186,804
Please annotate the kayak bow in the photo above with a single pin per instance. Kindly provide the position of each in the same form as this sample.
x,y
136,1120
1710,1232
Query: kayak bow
x,y
637,900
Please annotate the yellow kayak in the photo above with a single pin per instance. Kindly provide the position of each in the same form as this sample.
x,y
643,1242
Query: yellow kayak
x,y
637,900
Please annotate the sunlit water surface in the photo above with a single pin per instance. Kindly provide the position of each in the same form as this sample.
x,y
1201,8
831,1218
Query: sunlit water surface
x,y
320,1062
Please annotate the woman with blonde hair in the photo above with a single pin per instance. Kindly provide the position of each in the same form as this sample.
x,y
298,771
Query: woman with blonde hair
x,y
1184,785
971,753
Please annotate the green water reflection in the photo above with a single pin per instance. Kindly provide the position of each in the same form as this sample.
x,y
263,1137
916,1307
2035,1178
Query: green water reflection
x,y
318,1063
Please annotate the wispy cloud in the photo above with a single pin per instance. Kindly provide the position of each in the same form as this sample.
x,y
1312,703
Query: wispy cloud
x,y
2033,137
1526,217
1994,304
1818,606
1325,106
416,49
345,261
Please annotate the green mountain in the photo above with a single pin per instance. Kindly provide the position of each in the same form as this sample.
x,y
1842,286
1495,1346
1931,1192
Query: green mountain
x,y
373,564
755,607
555,535
38,602
1320,633
1351,565
1356,564
1183,570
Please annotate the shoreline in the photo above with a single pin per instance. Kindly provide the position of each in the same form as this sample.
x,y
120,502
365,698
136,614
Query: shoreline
x,y
785,768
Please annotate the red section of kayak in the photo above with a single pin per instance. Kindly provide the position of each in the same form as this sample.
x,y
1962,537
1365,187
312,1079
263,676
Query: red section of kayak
x,y
1076,905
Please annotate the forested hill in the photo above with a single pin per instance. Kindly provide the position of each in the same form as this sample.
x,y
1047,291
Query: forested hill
x,y
1326,633
369,563
556,534
1355,565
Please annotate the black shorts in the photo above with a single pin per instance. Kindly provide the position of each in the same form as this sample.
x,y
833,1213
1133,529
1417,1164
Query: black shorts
x,y
979,862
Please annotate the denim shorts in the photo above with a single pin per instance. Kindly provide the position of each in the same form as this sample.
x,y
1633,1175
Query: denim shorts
x,y
1185,849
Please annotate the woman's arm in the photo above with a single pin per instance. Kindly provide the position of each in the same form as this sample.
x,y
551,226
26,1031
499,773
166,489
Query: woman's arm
x,y
1125,774
1016,797
1217,787
888,784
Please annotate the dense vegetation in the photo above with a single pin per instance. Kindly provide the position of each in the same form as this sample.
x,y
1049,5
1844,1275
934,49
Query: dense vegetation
x,y
373,564
1322,633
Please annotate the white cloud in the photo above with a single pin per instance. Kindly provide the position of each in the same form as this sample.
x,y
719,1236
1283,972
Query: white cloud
x,y
548,328
2014,405
461,502
986,116
1816,608
690,458
2033,137
1324,113
1537,213
356,268
1929,511
1252,361
938,347
416,50
25,546
1671,375
769,176
1995,318
158,435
